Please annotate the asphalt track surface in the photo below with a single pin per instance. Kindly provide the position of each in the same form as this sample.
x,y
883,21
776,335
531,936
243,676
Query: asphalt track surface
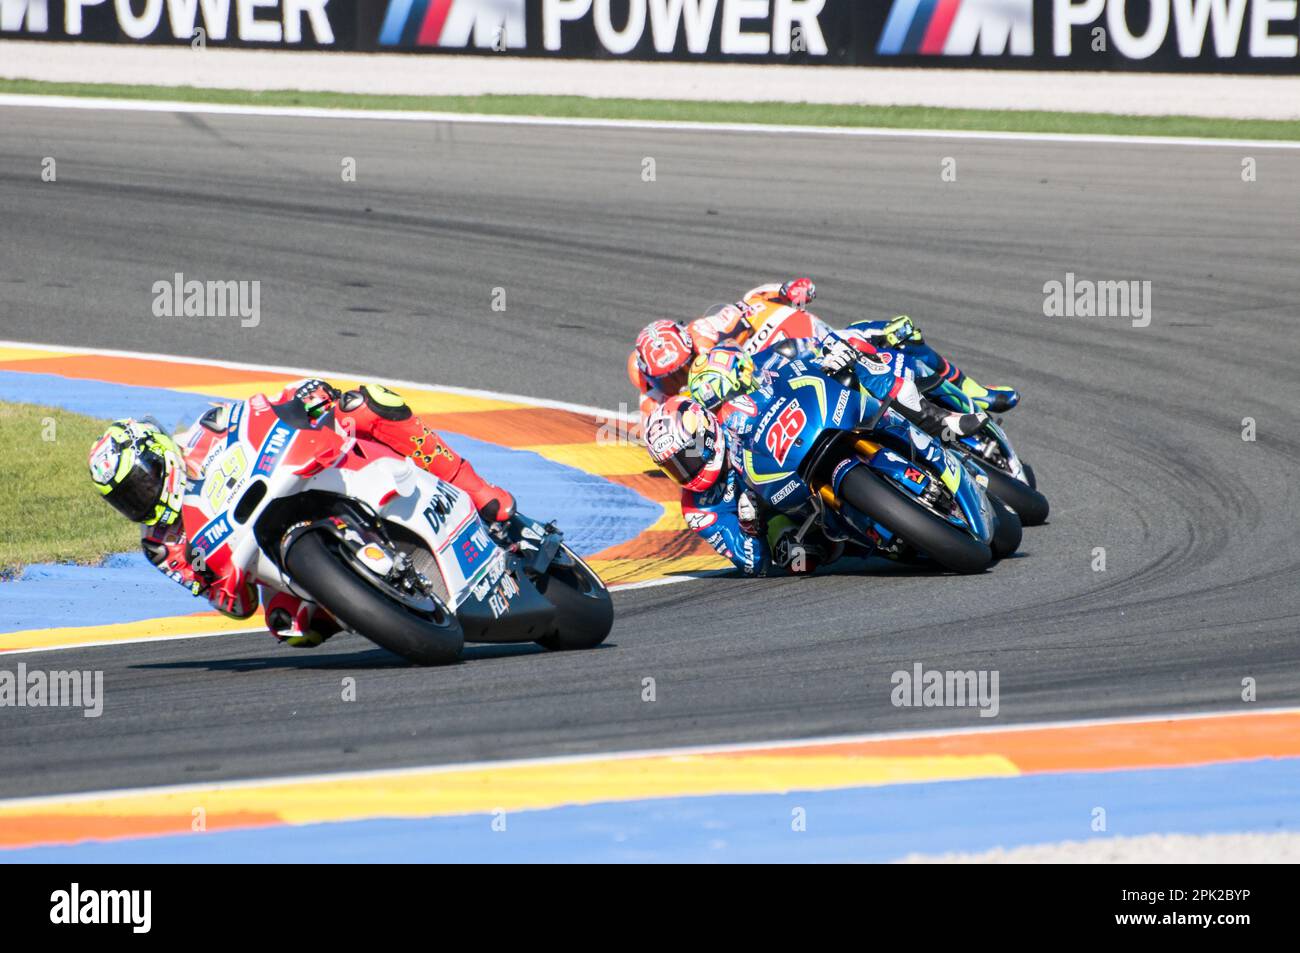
x,y
1135,432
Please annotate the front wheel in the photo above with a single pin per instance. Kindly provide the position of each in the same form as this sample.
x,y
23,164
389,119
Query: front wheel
x,y
426,637
584,611
948,545
1030,505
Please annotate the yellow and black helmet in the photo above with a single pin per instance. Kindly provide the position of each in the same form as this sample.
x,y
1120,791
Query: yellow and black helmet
x,y
140,471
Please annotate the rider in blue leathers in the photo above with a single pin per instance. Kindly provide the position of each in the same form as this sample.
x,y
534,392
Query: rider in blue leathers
x,y
702,454
931,370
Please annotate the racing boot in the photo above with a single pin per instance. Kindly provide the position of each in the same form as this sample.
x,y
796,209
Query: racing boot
x,y
799,557
932,419
296,623
993,400
380,414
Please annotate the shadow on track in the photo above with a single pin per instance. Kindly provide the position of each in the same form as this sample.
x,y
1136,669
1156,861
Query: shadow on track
x,y
369,659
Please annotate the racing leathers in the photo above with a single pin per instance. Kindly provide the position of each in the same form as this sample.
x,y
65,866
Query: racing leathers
x,y
372,412
730,515
903,334
664,350
715,515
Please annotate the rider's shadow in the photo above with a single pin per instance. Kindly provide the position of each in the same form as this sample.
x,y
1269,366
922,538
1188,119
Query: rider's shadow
x,y
375,658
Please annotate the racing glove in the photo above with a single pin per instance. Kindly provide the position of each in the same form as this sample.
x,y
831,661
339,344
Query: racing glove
x,y
234,596
799,291
747,515
838,356
167,553
900,330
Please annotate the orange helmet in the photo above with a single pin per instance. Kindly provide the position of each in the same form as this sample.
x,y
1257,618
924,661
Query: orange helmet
x,y
663,353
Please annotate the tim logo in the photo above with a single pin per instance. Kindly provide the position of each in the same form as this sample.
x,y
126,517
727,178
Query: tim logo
x,y
958,27
487,24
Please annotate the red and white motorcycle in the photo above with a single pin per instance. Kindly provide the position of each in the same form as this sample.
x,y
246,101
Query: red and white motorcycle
x,y
389,550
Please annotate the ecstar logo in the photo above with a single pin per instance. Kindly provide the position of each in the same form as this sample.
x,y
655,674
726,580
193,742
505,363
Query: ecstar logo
x,y
957,27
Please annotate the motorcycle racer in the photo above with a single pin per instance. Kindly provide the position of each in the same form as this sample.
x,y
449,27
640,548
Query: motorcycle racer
x,y
142,472
762,317
726,372
659,363
902,333
702,455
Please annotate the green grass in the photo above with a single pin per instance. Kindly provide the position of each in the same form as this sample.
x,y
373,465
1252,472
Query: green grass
x,y
803,114
49,510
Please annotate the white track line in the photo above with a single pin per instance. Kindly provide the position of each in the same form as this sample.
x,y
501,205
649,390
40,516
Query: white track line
x,y
278,370
397,115
296,372
688,751
142,640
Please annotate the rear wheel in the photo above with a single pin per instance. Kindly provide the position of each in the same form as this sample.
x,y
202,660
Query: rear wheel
x,y
948,545
1030,505
1006,529
584,611
425,636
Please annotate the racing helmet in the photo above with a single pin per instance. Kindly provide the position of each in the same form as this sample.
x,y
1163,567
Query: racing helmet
x,y
687,443
663,354
140,470
715,378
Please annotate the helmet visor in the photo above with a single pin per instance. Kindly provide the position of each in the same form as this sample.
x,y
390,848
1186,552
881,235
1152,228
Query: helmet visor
x,y
684,466
137,494
687,463
675,382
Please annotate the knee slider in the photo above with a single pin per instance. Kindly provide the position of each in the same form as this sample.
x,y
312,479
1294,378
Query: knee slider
x,y
382,402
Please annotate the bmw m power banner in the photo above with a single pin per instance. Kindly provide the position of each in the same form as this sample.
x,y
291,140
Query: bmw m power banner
x,y
292,24
1161,35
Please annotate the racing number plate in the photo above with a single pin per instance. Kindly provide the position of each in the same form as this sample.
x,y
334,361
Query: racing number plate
x,y
783,432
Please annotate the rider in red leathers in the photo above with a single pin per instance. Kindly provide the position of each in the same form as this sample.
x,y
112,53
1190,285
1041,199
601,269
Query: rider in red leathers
x,y
658,365
141,471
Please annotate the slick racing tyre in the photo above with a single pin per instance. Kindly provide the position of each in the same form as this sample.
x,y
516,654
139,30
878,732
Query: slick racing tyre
x,y
1029,504
424,636
1006,529
946,544
584,611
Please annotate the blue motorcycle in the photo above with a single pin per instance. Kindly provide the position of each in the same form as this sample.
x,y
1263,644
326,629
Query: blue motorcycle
x,y
828,454
1009,478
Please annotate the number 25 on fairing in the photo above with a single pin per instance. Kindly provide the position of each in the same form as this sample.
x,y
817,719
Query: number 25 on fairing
x,y
781,435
